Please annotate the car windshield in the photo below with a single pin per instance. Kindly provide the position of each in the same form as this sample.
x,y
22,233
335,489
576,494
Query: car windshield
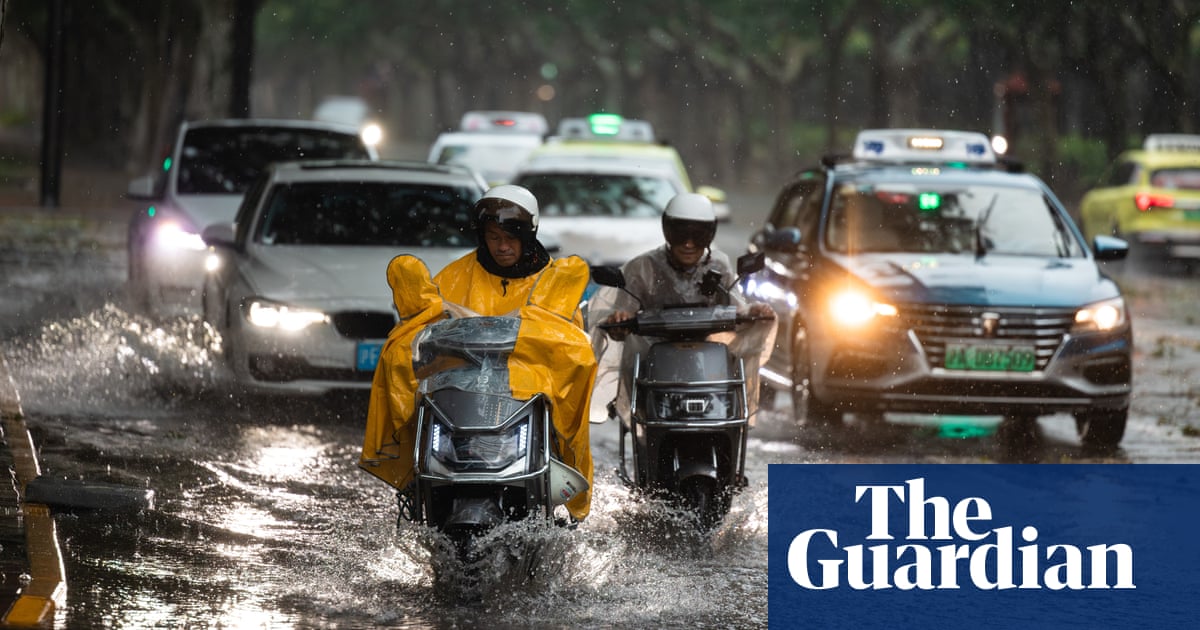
x,y
1176,178
924,217
575,194
368,213
226,160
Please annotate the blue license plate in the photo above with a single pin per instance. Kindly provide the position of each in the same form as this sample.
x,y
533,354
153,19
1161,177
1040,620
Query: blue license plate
x,y
366,355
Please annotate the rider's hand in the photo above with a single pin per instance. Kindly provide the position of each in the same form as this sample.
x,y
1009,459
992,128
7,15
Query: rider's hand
x,y
618,334
761,311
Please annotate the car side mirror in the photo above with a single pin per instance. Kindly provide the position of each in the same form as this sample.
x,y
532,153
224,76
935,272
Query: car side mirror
x,y
785,240
219,234
142,188
1109,248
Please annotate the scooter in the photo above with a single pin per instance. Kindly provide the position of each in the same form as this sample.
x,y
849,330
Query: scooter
x,y
687,423
482,457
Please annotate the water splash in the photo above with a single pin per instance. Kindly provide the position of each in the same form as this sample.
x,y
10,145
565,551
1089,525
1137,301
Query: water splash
x,y
108,356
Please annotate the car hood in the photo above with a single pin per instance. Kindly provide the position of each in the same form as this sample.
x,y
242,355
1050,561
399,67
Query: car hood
x,y
322,277
205,210
992,280
601,240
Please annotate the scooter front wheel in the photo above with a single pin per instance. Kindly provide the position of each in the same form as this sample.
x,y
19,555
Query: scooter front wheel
x,y
707,503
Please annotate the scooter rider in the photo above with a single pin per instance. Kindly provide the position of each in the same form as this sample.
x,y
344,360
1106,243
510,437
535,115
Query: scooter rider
x,y
510,272
674,273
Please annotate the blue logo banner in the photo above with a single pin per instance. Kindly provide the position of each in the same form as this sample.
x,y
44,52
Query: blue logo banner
x,y
983,546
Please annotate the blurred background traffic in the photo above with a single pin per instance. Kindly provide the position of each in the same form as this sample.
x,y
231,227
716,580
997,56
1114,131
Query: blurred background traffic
x,y
746,91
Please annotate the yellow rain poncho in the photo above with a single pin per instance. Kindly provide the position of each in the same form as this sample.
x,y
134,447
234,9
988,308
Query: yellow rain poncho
x,y
389,440
552,356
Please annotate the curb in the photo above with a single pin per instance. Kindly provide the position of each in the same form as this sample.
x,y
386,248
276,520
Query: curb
x,y
46,589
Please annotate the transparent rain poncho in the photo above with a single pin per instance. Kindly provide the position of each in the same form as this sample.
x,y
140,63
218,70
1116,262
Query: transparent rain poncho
x,y
652,278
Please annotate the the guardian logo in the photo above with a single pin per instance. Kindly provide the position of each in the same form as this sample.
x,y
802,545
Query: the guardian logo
x,y
949,546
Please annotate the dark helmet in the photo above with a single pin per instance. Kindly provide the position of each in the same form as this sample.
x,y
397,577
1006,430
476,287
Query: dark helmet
x,y
689,216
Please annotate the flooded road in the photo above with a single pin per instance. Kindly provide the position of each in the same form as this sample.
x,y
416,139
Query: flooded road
x,y
263,520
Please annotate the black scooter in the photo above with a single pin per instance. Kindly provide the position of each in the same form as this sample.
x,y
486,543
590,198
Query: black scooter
x,y
483,457
688,423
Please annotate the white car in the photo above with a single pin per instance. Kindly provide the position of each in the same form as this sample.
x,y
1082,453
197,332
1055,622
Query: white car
x,y
491,142
298,284
604,210
201,181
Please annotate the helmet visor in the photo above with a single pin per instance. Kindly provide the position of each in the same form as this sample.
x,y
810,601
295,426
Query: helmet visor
x,y
678,232
502,211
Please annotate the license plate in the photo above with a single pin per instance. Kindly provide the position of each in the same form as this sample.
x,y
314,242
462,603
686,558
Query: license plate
x,y
366,355
990,358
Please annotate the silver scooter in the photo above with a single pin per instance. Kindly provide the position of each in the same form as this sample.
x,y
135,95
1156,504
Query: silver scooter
x,y
687,421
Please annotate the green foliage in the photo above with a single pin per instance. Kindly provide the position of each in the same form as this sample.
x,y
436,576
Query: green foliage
x,y
1085,158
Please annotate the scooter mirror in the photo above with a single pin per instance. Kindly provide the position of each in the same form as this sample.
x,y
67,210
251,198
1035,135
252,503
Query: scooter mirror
x,y
750,263
608,276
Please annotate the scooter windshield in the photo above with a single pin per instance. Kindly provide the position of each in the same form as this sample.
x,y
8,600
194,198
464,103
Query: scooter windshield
x,y
469,353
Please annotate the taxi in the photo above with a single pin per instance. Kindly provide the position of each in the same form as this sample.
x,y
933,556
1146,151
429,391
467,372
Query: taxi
x,y
602,183
493,142
1151,197
919,276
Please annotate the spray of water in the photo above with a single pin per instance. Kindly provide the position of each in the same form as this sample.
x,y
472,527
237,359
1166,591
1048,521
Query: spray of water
x,y
107,357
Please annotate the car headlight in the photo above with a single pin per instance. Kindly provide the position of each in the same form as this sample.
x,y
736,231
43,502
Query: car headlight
x,y
853,308
372,134
689,405
172,235
267,314
478,451
1100,316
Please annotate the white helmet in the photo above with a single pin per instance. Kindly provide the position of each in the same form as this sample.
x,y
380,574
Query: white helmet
x,y
508,202
689,216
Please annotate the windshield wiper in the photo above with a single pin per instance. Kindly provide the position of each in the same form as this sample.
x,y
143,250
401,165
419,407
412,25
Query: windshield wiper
x,y
981,244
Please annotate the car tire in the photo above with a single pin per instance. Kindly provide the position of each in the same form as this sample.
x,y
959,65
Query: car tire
x,y
1101,429
809,410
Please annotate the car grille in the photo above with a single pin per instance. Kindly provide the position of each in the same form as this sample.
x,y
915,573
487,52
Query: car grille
x,y
938,324
363,324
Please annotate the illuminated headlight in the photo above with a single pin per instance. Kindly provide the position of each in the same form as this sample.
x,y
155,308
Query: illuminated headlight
x,y
372,134
855,308
1100,316
265,314
478,451
688,405
173,236
212,262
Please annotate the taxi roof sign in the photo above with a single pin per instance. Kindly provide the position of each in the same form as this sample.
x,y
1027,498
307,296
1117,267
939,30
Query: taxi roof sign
x,y
1172,142
501,121
923,146
606,127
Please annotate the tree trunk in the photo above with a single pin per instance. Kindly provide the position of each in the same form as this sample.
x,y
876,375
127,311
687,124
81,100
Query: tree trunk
x,y
242,61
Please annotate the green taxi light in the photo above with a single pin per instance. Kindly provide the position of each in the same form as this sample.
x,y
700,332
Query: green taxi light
x,y
929,201
605,124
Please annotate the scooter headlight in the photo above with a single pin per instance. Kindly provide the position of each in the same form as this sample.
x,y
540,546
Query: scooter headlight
x,y
479,451
682,405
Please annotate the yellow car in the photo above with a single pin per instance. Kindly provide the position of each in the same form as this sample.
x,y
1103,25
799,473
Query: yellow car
x,y
1150,197
599,138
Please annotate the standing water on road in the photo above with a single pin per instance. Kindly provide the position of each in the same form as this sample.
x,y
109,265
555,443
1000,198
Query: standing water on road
x,y
263,519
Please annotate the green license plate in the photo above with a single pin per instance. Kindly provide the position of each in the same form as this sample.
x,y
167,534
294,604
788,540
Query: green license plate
x,y
990,358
